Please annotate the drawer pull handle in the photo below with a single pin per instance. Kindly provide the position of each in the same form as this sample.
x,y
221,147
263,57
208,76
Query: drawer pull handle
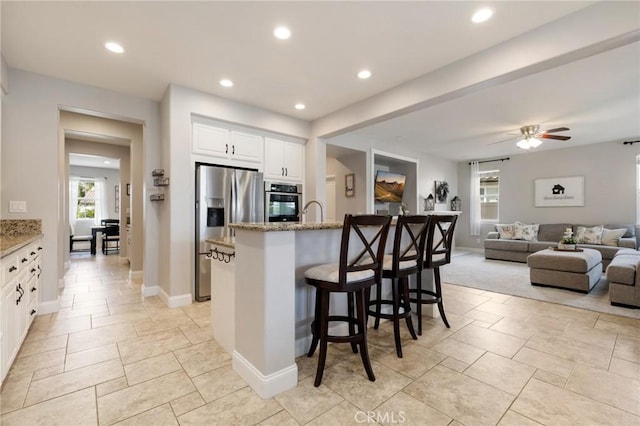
x,y
13,268
32,253
24,259
32,270
33,289
39,248
33,311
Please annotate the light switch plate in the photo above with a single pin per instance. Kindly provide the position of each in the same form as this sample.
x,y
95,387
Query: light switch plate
x,y
17,206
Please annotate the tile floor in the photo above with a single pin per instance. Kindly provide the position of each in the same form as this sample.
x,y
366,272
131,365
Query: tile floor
x,y
109,357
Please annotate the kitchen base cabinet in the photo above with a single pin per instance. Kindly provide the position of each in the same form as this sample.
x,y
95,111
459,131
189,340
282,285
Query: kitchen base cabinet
x,y
19,300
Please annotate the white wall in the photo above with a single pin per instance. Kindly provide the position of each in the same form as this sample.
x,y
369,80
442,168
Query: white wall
x,y
609,170
33,160
339,167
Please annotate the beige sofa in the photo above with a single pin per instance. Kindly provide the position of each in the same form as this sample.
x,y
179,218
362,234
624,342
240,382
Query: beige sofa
x,y
549,235
623,275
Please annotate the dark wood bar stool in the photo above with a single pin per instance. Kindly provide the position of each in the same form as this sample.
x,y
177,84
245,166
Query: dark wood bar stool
x,y
406,260
437,253
360,266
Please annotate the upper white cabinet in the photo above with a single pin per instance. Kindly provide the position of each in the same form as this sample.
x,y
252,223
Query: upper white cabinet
x,y
236,148
209,140
283,160
246,147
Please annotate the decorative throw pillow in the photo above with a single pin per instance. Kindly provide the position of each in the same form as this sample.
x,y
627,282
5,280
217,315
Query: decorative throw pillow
x,y
506,231
610,237
525,232
591,235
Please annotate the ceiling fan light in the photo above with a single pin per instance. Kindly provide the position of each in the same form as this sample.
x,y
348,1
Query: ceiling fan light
x,y
534,142
523,144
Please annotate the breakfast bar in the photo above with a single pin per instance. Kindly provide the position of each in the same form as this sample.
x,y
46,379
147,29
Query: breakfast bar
x,y
273,307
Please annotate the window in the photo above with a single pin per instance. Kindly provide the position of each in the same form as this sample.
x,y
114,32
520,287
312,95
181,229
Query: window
x,y
489,194
85,207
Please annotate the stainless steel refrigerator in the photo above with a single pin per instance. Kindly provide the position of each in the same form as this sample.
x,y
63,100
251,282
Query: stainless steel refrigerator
x,y
224,195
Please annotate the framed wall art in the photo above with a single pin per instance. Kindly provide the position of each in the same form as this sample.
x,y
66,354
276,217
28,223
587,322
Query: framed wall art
x,y
350,185
559,192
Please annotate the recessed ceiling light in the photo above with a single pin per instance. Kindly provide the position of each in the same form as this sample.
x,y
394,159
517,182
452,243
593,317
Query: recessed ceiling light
x,y
107,162
300,106
226,82
482,15
281,32
114,47
364,74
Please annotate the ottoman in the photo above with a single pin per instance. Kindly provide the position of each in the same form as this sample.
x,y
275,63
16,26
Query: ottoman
x,y
573,270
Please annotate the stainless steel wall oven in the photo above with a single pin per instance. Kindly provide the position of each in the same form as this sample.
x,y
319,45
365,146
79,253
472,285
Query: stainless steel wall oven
x,y
282,202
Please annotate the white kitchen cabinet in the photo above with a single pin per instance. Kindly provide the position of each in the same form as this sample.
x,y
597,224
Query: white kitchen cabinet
x,y
209,140
283,160
19,300
230,146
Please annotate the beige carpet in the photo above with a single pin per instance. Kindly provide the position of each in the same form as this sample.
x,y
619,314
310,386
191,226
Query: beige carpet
x,y
473,270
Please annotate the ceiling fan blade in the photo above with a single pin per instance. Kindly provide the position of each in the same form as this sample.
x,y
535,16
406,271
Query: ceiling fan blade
x,y
502,141
559,129
560,138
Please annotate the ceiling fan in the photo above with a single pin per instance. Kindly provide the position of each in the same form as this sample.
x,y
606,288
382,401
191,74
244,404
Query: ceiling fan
x,y
531,136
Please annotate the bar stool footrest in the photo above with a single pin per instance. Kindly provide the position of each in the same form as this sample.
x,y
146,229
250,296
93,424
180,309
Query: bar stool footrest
x,y
433,297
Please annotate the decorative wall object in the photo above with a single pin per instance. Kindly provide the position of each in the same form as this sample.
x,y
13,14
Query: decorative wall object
x,y
117,199
429,203
442,191
349,185
456,204
559,192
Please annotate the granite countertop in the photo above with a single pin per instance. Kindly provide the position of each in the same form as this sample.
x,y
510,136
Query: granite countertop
x,y
12,243
223,242
17,233
285,226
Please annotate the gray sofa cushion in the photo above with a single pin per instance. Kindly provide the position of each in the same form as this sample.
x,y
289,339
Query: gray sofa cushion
x,y
552,231
607,252
622,269
510,245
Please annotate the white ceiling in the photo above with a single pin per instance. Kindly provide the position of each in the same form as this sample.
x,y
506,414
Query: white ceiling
x,y
194,44
86,160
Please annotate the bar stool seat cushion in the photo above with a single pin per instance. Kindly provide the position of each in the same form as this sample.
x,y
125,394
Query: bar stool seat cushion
x,y
330,272
387,265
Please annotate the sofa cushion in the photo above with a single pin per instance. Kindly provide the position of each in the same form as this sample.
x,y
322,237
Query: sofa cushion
x,y
506,231
535,246
510,245
525,232
552,232
566,261
607,252
631,229
611,237
592,235
622,269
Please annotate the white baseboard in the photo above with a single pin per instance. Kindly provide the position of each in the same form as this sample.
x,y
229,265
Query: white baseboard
x,y
135,275
269,385
174,301
149,290
48,307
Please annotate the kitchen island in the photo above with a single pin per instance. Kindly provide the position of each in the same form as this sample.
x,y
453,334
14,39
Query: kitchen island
x,y
273,307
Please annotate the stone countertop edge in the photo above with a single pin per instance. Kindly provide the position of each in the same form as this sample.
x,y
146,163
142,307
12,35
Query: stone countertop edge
x,y
11,244
282,226
220,242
